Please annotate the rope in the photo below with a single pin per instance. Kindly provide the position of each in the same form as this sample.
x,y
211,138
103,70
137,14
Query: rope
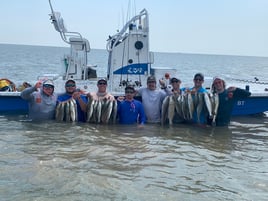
x,y
256,81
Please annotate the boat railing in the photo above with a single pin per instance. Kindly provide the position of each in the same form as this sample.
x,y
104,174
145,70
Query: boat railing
x,y
130,25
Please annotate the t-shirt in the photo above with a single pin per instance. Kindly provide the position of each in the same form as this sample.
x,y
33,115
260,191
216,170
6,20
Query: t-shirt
x,y
152,103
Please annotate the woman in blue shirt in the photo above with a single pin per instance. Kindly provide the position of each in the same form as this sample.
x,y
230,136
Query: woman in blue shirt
x,y
130,111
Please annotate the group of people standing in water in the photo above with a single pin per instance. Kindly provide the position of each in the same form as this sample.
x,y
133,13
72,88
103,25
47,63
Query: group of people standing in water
x,y
130,110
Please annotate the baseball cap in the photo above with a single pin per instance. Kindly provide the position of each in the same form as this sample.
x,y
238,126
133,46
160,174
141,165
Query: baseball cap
x,y
174,80
70,80
151,79
48,82
102,80
200,75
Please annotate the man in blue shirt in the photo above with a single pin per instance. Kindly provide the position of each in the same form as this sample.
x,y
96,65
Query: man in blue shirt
x,y
81,100
199,116
130,111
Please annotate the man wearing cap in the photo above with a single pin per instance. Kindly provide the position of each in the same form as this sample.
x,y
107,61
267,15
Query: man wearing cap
x,y
227,99
101,93
175,83
198,88
81,100
42,100
130,111
152,99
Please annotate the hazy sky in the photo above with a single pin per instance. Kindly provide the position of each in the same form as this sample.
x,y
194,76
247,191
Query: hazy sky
x,y
232,27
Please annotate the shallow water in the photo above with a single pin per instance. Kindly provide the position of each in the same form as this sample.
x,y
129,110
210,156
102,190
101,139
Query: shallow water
x,y
52,161
81,161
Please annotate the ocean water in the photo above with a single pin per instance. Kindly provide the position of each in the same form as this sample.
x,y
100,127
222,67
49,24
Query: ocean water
x,y
81,161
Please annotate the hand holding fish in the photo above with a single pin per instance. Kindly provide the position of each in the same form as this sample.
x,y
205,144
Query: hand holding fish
x,y
76,95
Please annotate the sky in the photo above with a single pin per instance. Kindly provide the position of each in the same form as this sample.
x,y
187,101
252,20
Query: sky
x,y
224,27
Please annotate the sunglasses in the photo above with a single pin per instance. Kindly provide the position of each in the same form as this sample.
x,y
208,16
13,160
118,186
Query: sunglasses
x,y
48,86
102,83
129,92
198,79
70,85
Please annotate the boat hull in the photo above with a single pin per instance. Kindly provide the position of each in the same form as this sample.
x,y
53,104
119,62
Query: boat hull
x,y
251,105
12,103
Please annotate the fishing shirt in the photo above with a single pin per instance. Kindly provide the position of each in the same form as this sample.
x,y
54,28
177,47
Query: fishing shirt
x,y
41,106
226,104
131,112
81,115
152,103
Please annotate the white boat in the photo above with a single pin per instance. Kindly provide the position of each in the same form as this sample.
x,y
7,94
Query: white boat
x,y
129,62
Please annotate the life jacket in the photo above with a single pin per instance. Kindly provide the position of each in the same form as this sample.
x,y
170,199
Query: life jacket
x,y
7,85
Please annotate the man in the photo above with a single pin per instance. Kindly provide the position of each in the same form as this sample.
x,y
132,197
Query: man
x,y
81,100
227,99
101,93
175,83
42,100
152,99
102,105
199,116
130,111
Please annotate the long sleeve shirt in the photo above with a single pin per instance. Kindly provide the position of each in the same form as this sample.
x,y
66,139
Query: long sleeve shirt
x,y
226,104
131,112
41,106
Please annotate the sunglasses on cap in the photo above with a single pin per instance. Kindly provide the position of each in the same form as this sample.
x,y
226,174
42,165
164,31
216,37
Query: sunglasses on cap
x,y
48,86
70,85
102,83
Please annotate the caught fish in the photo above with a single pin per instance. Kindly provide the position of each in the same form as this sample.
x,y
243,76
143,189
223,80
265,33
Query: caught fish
x,y
73,110
214,98
190,104
114,112
164,110
106,112
200,105
67,111
208,104
60,111
171,109
90,109
98,111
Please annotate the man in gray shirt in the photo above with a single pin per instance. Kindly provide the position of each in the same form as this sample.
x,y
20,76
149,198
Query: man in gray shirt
x,y
42,100
152,99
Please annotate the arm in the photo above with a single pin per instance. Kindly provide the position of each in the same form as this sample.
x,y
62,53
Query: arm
x,y
26,94
142,117
81,99
239,93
